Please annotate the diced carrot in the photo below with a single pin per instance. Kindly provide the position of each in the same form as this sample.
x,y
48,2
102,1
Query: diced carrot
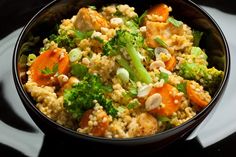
x,y
195,96
170,101
49,59
85,118
161,10
99,129
170,64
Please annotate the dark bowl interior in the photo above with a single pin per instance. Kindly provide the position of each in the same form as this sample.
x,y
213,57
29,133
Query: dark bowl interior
x,y
43,24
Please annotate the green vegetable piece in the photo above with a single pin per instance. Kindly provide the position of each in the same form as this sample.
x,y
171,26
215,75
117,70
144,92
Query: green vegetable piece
x,y
133,105
196,51
126,65
75,55
182,87
81,97
83,35
30,59
48,71
100,40
141,18
197,35
175,22
79,70
63,40
163,119
161,42
130,42
92,7
133,89
123,75
164,76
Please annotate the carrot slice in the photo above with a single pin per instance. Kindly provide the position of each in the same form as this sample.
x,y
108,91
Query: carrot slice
x,y
85,118
48,60
99,129
170,64
197,97
161,10
171,102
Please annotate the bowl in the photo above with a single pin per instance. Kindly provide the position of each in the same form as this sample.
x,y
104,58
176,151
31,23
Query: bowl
x,y
42,24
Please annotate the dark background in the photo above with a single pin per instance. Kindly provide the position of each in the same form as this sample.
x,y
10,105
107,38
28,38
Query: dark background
x,y
15,14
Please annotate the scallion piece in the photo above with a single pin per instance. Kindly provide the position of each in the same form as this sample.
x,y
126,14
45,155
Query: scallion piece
x,y
175,22
75,55
161,42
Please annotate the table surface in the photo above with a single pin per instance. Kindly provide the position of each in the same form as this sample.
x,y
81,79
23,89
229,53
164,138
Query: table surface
x,y
16,13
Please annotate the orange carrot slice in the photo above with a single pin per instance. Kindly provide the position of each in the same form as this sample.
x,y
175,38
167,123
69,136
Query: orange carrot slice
x,y
161,10
171,102
48,60
99,129
196,97
85,118
170,64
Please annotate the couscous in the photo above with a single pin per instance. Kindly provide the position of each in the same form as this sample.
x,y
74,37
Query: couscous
x,y
112,73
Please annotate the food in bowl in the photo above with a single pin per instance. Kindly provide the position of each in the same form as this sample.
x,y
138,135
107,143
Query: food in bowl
x,y
116,74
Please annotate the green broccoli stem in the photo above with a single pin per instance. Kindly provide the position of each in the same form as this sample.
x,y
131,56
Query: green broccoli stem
x,y
142,73
126,65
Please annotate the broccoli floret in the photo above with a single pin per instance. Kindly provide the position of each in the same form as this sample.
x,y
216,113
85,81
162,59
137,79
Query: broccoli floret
x,y
128,41
194,67
81,96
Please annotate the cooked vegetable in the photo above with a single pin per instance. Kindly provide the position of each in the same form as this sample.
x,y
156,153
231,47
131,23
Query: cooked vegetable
x,y
77,99
164,76
30,59
123,74
75,54
47,64
208,77
170,102
130,42
99,129
182,87
161,10
196,94
170,64
161,42
197,35
175,22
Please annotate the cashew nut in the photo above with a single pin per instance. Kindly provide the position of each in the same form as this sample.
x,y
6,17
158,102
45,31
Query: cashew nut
x,y
157,64
153,101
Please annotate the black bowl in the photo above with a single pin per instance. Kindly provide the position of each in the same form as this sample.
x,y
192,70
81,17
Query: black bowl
x,y
42,25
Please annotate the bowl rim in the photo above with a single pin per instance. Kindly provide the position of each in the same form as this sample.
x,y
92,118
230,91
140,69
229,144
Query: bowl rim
x,y
25,97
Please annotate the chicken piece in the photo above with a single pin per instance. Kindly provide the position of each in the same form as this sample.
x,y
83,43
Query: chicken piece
x,y
143,125
155,29
176,38
88,19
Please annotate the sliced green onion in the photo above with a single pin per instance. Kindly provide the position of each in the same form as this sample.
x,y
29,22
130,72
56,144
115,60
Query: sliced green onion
x,y
75,54
164,76
163,119
175,22
92,7
182,87
123,74
161,42
30,59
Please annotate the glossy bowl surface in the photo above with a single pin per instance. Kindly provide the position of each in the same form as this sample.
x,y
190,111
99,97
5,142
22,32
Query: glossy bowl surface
x,y
42,24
